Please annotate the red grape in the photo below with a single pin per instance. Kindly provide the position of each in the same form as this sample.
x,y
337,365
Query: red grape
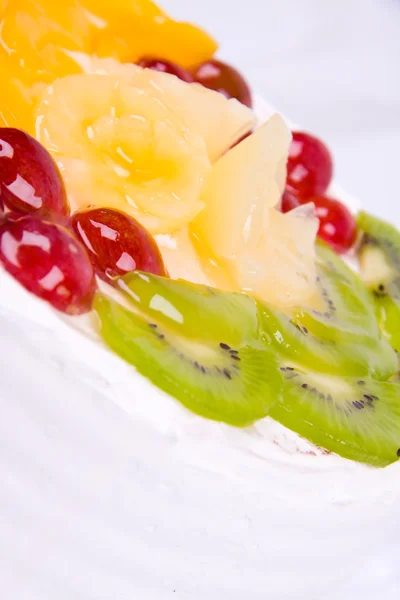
x,y
165,66
223,78
117,243
289,201
30,182
337,225
310,168
48,261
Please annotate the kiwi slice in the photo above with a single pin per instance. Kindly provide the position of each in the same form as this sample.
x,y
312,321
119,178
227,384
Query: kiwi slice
x,y
346,309
352,355
187,339
344,337
379,256
357,418
196,311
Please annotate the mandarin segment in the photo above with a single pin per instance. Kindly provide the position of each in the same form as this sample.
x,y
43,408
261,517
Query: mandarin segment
x,y
35,33
130,40
16,100
122,8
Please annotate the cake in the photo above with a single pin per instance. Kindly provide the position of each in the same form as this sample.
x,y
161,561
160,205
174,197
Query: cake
x,y
112,488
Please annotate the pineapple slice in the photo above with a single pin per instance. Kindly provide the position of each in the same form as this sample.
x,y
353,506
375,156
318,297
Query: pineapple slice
x,y
219,121
267,253
137,140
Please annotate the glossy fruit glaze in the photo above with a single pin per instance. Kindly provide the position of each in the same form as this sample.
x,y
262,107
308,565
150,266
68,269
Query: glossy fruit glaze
x,y
309,167
221,77
165,66
30,182
48,261
117,243
337,226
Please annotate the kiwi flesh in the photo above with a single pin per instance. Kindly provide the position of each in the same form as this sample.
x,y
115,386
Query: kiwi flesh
x,y
353,355
379,256
196,311
186,339
356,418
344,337
347,309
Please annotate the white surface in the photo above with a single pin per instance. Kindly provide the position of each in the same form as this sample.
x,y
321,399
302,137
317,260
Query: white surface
x,y
333,66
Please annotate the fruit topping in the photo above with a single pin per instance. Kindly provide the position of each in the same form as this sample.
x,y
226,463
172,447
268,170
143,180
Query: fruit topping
x,y
345,306
379,256
351,355
164,66
337,226
49,262
310,167
196,343
36,33
16,100
289,201
267,253
342,337
108,11
137,140
116,243
217,75
42,40
30,181
356,418
129,39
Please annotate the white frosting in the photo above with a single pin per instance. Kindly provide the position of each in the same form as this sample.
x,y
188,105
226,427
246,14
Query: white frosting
x,y
163,504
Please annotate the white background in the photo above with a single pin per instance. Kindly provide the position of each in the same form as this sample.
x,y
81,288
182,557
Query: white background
x,y
332,66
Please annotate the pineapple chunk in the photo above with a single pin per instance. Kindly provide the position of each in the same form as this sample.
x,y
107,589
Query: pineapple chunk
x,y
137,140
267,253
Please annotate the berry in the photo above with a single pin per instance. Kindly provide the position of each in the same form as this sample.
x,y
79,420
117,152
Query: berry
x,y
289,201
223,78
165,66
337,225
310,168
30,181
116,243
48,261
